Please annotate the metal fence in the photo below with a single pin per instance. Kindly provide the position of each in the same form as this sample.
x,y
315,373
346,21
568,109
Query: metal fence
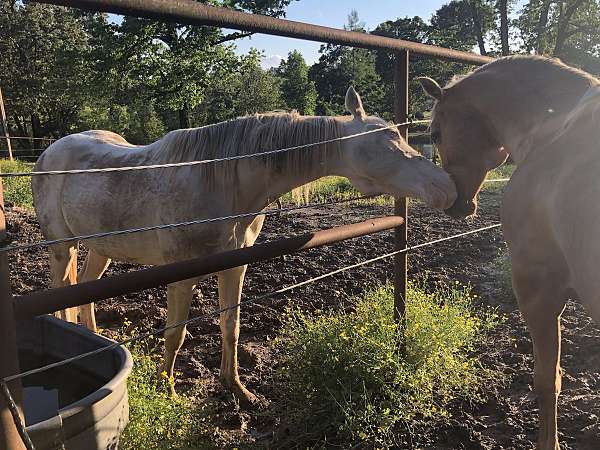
x,y
12,431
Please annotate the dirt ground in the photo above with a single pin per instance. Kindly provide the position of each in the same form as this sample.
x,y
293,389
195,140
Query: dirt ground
x,y
507,420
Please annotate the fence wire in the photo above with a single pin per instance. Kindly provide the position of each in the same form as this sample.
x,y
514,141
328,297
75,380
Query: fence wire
x,y
22,247
46,243
244,302
205,161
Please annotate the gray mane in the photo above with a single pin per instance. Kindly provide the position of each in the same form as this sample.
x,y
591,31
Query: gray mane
x,y
254,134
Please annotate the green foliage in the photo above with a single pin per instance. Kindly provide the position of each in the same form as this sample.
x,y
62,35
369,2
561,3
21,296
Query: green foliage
x,y
569,29
45,74
248,89
156,420
17,190
298,91
348,378
340,67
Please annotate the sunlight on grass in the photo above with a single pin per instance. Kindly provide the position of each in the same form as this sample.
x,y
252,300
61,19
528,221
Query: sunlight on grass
x,y
348,379
17,191
156,420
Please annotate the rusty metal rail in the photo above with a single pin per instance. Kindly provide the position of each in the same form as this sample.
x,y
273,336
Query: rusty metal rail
x,y
195,13
45,302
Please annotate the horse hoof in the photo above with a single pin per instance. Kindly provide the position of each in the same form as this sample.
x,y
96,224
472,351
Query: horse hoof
x,y
246,399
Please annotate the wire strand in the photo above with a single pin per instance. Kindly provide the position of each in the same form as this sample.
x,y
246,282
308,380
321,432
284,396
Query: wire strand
x,y
140,337
205,161
22,247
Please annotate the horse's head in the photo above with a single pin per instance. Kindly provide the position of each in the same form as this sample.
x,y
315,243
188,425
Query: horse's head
x,y
382,162
466,143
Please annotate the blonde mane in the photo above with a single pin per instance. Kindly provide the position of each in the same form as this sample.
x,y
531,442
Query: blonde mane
x,y
250,135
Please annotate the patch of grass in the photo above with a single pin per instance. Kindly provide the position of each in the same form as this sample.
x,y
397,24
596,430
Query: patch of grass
x,y
503,171
17,191
330,188
501,269
156,420
349,379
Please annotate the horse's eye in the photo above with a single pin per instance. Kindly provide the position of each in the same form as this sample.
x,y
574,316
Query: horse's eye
x,y
436,137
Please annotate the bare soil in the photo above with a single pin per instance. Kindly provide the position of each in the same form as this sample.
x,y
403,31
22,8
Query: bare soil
x,y
507,420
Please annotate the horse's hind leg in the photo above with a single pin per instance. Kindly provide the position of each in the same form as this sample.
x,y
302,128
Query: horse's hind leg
x,y
230,292
542,297
94,267
63,272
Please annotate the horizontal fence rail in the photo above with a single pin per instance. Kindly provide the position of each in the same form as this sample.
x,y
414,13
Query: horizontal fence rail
x,y
27,138
247,301
195,13
52,300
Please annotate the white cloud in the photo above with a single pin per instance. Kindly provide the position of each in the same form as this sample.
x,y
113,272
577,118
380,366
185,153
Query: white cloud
x,y
271,61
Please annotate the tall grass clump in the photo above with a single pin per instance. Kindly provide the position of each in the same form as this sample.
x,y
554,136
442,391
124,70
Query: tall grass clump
x,y
349,378
328,189
17,191
158,421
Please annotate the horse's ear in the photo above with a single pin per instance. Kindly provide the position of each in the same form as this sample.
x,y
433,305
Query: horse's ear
x,y
354,104
431,87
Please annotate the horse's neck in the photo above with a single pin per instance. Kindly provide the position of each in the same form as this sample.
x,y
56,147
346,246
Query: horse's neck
x,y
278,183
529,115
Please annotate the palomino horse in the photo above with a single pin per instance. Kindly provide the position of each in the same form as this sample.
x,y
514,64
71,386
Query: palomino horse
x,y
72,205
546,116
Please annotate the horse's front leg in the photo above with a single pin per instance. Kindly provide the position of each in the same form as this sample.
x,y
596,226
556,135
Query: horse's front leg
x,y
542,296
179,299
230,291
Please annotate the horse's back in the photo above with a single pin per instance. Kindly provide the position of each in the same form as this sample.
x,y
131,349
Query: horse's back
x,y
53,193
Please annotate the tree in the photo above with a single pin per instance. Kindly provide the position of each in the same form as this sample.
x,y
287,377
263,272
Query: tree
x,y
45,73
181,60
569,29
503,13
246,90
339,67
298,91
462,24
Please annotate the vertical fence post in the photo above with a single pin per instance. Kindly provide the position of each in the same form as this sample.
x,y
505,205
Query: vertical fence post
x,y
401,204
5,126
9,362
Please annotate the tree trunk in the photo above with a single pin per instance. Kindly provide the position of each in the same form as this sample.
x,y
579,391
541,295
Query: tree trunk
x,y
36,125
503,10
21,126
563,24
540,45
184,117
477,28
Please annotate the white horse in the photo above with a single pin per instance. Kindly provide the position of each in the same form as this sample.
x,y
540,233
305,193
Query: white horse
x,y
71,205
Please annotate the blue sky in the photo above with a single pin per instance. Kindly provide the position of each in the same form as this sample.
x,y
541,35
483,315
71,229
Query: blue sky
x,y
333,13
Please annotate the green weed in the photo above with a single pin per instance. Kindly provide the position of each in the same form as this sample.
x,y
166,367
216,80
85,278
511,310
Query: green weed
x,y
349,378
156,420
17,191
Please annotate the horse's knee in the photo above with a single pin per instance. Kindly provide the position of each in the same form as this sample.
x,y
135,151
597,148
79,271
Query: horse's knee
x,y
174,339
230,326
